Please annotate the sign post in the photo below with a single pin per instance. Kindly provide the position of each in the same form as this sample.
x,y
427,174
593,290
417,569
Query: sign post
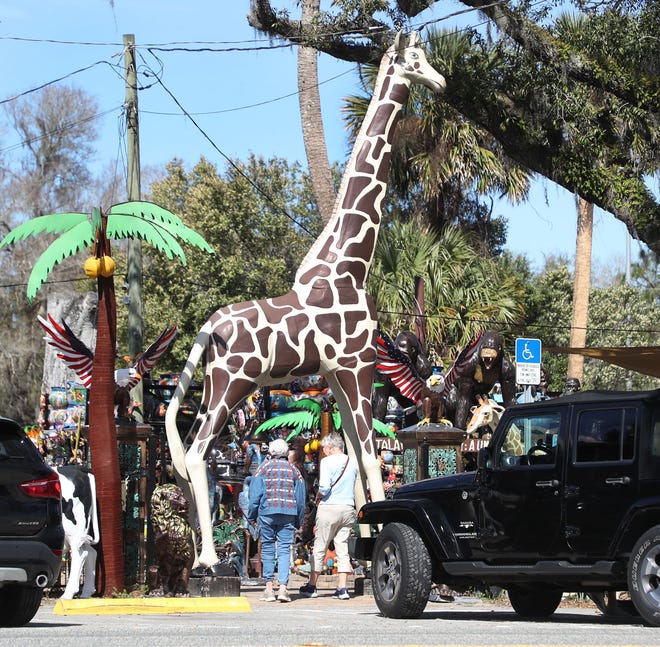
x,y
528,364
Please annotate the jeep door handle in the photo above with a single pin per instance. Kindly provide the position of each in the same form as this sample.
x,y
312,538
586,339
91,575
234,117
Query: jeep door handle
x,y
554,483
621,480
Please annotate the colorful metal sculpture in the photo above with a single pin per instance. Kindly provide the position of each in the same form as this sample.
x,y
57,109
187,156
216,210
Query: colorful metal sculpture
x,y
75,354
325,325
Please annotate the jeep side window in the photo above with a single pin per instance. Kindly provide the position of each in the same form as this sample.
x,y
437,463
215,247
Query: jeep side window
x,y
605,435
529,440
655,445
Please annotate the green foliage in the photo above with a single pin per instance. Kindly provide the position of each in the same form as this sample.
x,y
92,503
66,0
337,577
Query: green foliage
x,y
308,417
619,315
464,291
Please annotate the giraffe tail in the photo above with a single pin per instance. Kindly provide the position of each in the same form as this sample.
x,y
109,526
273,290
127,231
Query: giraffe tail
x,y
177,450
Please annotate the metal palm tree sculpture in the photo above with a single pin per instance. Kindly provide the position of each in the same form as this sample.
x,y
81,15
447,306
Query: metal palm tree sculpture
x,y
305,415
131,220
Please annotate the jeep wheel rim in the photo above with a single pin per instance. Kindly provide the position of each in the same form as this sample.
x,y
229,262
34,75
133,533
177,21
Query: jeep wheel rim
x,y
388,571
650,574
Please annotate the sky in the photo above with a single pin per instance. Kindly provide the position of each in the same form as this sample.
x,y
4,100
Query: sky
x,y
241,96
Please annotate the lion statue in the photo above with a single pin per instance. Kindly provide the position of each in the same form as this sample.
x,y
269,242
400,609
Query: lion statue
x,y
173,540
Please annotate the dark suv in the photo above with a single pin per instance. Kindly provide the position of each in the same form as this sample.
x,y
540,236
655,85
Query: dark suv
x,y
31,532
566,497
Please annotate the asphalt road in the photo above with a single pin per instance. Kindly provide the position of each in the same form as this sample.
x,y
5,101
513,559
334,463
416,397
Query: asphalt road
x,y
325,621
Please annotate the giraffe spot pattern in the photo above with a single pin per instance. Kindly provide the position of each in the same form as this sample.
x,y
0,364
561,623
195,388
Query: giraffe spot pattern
x,y
320,296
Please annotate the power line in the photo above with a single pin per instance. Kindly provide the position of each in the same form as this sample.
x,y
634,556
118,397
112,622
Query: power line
x,y
57,80
226,157
58,130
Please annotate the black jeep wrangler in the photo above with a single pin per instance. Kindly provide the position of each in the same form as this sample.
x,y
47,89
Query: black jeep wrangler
x,y
566,497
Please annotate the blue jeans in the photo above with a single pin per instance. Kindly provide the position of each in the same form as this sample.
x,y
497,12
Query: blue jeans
x,y
276,529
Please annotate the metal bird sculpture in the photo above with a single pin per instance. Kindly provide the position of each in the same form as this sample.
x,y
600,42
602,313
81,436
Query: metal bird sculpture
x,y
75,354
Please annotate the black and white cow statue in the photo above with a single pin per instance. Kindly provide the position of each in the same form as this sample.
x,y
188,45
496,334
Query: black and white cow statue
x,y
81,528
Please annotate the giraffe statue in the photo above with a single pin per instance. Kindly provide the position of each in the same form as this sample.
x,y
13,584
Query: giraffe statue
x,y
326,323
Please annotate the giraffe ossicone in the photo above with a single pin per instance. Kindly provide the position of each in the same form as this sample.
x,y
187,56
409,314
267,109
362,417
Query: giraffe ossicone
x,y
326,323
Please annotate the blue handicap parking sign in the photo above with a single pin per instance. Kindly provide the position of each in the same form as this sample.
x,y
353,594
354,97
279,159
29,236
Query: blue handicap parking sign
x,y
528,351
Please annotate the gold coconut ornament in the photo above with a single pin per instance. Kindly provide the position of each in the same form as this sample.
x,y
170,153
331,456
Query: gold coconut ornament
x,y
107,268
92,267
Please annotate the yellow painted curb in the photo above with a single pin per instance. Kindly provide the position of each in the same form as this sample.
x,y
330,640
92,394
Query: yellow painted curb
x,y
103,606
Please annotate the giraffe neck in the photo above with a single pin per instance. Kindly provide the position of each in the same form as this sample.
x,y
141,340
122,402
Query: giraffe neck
x,y
348,240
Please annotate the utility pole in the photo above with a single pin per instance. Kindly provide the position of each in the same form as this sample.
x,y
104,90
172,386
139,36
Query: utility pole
x,y
134,275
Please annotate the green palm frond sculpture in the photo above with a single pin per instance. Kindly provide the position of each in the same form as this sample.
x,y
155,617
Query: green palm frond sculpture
x,y
308,417
129,220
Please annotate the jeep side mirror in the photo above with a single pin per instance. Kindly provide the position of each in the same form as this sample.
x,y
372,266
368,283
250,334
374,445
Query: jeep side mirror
x,y
484,459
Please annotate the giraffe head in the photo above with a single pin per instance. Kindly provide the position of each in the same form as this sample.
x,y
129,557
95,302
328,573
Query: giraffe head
x,y
486,414
412,64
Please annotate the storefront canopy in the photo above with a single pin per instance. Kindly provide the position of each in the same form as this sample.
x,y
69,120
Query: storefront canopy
x,y
643,359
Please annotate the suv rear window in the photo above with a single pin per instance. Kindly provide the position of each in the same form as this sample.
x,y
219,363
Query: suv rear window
x,y
606,435
16,446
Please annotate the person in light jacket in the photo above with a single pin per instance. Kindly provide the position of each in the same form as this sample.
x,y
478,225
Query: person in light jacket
x,y
335,515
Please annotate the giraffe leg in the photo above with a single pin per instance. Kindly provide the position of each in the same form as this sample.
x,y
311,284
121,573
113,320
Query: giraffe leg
x,y
196,466
195,461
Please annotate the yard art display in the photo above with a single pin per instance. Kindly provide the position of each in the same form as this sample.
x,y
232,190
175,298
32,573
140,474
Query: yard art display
x,y
326,324
81,529
75,354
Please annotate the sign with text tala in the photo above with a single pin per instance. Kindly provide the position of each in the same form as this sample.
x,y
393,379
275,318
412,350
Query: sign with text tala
x,y
528,361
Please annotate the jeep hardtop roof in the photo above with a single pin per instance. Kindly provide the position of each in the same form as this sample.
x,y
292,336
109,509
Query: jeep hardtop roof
x,y
592,396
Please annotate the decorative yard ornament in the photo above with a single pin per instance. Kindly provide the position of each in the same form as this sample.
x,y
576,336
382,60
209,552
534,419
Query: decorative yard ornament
x,y
305,415
163,230
401,368
75,354
325,325
486,367
401,371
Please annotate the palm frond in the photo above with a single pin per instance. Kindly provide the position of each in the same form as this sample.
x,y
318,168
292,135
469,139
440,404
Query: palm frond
x,y
68,244
381,428
308,404
298,420
159,218
49,224
127,226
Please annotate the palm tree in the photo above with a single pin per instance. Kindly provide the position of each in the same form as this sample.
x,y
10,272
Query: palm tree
x,y
581,287
311,118
163,230
463,291
306,415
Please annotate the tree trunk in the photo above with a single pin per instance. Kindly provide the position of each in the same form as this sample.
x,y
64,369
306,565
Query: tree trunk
x,y
103,442
581,286
312,120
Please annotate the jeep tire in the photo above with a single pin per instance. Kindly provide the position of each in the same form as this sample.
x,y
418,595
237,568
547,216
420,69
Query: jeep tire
x,y
401,572
534,602
644,576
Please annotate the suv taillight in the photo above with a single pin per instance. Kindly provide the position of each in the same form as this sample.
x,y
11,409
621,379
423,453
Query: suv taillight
x,y
46,488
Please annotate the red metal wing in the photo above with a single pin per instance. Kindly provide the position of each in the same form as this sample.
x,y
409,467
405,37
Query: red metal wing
x,y
70,349
461,362
147,360
391,362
